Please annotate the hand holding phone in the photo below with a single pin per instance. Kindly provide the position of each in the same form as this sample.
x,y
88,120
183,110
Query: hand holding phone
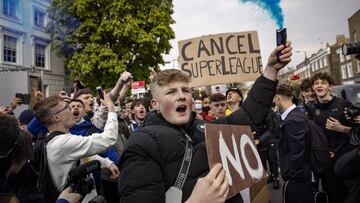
x,y
19,97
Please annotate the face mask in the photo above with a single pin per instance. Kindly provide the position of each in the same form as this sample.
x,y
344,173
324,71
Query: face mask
x,y
206,109
198,106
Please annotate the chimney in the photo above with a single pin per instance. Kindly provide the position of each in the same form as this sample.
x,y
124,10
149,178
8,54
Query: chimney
x,y
340,39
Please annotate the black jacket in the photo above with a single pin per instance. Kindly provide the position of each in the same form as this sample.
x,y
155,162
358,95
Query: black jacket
x,y
293,147
320,112
152,158
269,133
348,166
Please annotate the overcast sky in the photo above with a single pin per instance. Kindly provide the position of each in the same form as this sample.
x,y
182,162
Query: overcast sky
x,y
310,23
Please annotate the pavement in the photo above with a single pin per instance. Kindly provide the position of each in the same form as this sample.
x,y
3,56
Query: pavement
x,y
275,194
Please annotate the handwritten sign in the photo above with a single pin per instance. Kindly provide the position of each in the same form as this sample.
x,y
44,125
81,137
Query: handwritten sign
x,y
233,146
221,58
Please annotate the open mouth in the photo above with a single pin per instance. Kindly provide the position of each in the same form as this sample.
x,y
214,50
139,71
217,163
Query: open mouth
x,y
91,104
76,113
181,108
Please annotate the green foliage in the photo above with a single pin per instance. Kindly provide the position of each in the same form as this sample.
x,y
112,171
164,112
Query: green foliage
x,y
101,38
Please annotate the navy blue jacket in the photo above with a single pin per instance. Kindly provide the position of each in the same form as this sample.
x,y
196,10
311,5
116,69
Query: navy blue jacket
x,y
293,147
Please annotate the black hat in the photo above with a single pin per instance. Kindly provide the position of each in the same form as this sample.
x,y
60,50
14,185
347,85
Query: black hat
x,y
234,89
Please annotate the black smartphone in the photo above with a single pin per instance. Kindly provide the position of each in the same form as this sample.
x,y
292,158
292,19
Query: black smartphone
x,y
100,92
20,96
281,38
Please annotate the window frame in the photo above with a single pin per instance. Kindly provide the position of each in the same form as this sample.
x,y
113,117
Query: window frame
x,y
349,70
40,55
46,44
17,58
34,11
343,69
18,12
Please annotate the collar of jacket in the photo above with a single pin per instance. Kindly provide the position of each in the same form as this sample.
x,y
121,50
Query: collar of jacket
x,y
155,118
325,105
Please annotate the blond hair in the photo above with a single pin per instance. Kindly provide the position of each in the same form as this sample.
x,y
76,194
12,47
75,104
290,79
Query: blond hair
x,y
165,77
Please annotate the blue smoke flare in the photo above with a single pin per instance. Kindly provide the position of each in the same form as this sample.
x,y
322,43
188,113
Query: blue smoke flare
x,y
271,6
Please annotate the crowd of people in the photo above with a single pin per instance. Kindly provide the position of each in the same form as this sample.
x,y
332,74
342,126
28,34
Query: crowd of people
x,y
142,144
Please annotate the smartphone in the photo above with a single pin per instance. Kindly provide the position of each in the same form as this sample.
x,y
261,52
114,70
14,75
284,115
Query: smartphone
x,y
281,38
20,96
100,92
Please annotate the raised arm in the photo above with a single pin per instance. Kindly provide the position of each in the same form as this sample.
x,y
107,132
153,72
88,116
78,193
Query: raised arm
x,y
257,105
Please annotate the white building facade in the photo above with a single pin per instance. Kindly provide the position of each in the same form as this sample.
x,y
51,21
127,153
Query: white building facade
x,y
25,45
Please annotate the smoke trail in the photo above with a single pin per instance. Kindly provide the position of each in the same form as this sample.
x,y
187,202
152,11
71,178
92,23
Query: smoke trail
x,y
271,6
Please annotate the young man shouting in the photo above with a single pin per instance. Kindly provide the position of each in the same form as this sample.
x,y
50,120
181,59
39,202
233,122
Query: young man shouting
x,y
152,159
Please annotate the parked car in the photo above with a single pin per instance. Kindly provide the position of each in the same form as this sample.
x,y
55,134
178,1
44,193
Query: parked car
x,y
349,92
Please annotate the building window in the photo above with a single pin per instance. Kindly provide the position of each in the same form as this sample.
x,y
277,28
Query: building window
x,y
9,8
348,57
318,62
349,70
40,53
343,72
47,90
39,18
355,36
342,58
325,61
10,44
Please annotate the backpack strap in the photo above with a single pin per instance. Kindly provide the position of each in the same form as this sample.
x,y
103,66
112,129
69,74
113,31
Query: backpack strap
x,y
185,166
51,135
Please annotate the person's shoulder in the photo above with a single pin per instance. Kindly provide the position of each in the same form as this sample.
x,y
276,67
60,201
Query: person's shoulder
x,y
296,115
145,135
64,140
342,102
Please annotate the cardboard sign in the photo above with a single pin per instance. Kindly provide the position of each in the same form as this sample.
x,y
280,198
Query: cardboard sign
x,y
221,58
138,91
232,145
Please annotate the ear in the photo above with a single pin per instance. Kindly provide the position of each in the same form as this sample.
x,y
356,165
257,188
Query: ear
x,y
155,104
56,118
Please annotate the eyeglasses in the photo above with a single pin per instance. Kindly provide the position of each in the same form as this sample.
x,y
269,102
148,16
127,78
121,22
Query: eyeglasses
x,y
221,104
66,107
